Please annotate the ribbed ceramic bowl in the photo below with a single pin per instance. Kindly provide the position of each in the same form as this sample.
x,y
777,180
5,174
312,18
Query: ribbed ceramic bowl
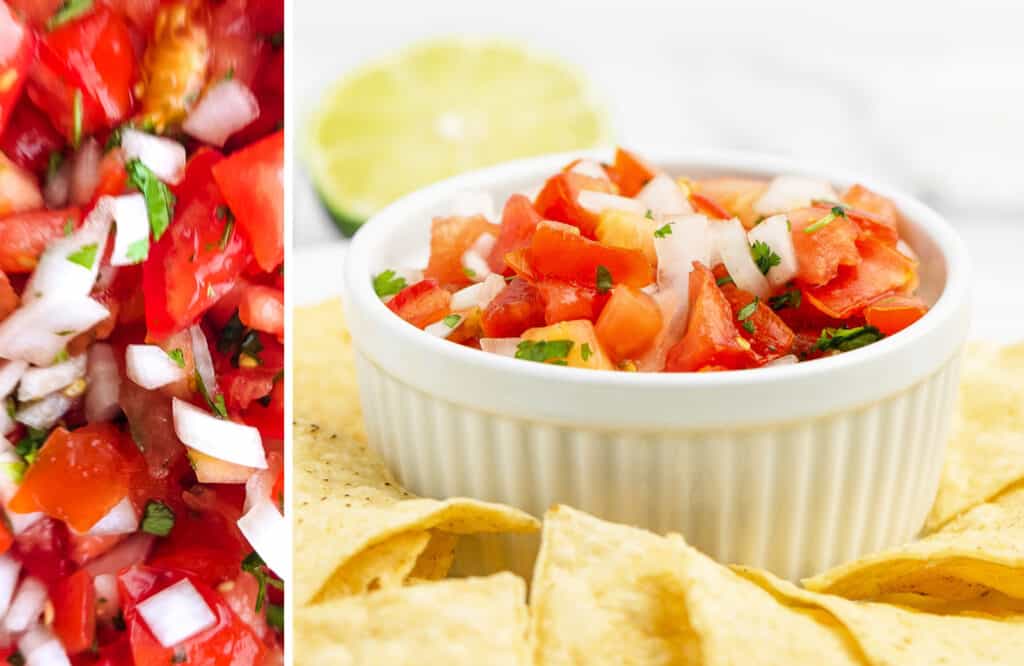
x,y
792,468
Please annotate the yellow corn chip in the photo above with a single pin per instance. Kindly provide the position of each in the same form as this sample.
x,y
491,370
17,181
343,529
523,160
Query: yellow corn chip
x,y
468,621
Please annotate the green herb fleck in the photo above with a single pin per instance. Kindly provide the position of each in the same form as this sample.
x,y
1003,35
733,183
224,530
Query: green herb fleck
x,y
545,351
114,139
388,283
649,215
452,320
724,280
847,339
664,230
61,356
276,39
585,352
604,279
69,11
53,164
178,356
69,227
157,518
138,251
468,272
837,211
745,314
230,74
159,200
84,256
28,446
15,471
229,227
764,256
255,565
76,119
788,299
216,403
275,616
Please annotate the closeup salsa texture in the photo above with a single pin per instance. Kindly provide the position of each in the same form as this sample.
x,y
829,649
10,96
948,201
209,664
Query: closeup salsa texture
x,y
623,267
141,332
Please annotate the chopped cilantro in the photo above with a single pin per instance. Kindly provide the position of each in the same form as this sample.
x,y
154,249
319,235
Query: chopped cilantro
x,y
788,299
255,565
53,164
28,446
649,215
468,272
275,616
61,356
84,256
138,251
847,339
69,11
114,139
764,256
69,227
229,229
837,211
178,356
76,119
157,518
664,230
388,283
15,471
745,314
749,326
452,320
724,280
216,403
604,279
159,200
585,352
545,351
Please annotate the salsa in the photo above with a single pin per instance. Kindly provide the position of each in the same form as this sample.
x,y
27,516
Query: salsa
x,y
142,332
623,267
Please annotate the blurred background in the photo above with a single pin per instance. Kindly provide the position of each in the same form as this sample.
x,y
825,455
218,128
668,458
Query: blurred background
x,y
928,96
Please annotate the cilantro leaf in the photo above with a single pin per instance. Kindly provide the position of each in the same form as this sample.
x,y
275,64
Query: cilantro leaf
x,y
388,283
664,230
215,403
255,565
724,280
69,227
138,251
157,518
604,279
847,339
649,214
545,351
69,11
585,352
84,256
178,356
837,211
159,200
275,616
788,299
28,446
224,213
764,256
745,314
452,320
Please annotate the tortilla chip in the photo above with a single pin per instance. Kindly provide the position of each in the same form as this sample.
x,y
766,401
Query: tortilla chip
x,y
979,553
324,376
357,529
468,621
892,635
986,453
611,594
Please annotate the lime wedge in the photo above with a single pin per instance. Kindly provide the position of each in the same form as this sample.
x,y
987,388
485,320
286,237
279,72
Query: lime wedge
x,y
437,109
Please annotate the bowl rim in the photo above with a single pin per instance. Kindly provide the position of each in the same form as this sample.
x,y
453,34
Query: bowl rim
x,y
943,328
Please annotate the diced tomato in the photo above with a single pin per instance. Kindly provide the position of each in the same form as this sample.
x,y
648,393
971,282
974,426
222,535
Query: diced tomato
x,y
629,323
564,301
876,215
205,544
277,493
712,340
139,13
241,595
252,181
269,418
91,58
450,238
35,12
882,271
586,350
560,252
242,386
74,608
519,219
188,270
6,538
517,307
30,139
19,191
769,336
269,91
267,16
559,200
150,417
77,477
24,236
262,308
630,173
113,176
42,550
422,303
726,197
707,206
820,253
892,314
229,642
17,50
8,297
235,46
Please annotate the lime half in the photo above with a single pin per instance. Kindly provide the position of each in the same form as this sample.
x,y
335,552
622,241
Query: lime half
x,y
437,109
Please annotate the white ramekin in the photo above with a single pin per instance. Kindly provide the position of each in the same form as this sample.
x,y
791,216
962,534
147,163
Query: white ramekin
x,y
791,468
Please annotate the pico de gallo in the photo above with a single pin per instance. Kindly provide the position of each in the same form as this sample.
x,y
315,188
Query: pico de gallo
x,y
141,332
623,267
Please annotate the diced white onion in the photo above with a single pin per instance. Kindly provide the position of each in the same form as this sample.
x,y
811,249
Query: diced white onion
x,y
45,412
201,357
57,190
39,382
266,530
258,488
478,295
663,197
788,359
442,330
104,384
10,374
493,286
40,647
7,424
598,202
121,519
225,109
22,521
176,613
906,250
37,332
9,570
164,157
689,240
784,193
775,233
214,470
675,307
589,168
130,551
734,248
226,440
132,221
57,275
150,367
500,346
85,172
475,263
108,597
26,606
474,202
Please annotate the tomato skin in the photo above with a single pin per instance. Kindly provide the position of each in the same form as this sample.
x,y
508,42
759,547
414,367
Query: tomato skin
x,y
557,252
519,220
629,323
24,236
243,386
820,253
252,182
77,477
229,642
564,301
6,538
187,270
262,308
113,176
892,314
706,205
206,545
725,197
558,200
94,55
421,304
29,139
516,308
9,299
711,340
881,272
450,238
15,62
42,550
150,417
74,604
630,173
269,419
771,337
